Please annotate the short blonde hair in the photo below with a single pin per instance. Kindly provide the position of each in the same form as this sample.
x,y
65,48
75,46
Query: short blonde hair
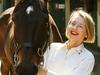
x,y
90,25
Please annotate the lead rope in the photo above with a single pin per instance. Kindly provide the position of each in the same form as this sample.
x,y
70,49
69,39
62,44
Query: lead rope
x,y
48,46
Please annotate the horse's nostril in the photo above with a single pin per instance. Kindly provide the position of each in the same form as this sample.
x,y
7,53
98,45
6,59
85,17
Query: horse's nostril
x,y
28,69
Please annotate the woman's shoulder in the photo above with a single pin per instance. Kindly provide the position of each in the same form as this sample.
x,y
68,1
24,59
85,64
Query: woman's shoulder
x,y
89,54
56,44
53,48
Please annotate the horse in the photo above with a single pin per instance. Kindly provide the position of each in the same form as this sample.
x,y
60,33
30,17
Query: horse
x,y
25,32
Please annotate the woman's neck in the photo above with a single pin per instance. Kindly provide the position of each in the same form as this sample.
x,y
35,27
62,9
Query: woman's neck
x,y
71,44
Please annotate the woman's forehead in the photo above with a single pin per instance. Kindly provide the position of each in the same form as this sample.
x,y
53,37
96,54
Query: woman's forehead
x,y
78,18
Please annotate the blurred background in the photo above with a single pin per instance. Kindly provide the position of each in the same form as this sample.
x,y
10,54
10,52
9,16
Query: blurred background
x,y
61,10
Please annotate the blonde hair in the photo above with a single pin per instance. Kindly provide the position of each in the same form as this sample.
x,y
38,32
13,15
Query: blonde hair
x,y
90,25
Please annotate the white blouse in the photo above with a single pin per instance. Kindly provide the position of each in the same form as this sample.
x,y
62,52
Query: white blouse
x,y
59,60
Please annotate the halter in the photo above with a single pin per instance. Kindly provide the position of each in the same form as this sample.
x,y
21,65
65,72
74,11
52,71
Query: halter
x,y
40,51
18,46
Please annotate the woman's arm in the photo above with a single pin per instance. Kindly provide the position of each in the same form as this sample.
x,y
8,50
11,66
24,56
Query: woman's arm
x,y
45,72
41,72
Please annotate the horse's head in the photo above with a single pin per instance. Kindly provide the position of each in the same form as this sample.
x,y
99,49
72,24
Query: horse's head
x,y
30,18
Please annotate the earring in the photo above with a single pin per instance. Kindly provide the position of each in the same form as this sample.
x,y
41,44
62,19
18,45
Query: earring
x,y
85,38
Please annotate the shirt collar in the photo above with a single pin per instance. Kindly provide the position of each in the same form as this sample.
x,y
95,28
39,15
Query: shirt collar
x,y
79,49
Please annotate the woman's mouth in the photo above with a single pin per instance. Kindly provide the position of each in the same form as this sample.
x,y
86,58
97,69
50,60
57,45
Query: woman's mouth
x,y
74,33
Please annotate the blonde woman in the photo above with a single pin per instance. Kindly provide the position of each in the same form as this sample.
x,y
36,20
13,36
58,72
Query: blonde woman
x,y
71,57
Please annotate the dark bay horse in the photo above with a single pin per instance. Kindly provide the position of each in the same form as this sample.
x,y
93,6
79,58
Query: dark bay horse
x,y
25,31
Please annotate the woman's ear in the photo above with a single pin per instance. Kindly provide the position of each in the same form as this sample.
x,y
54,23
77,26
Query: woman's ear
x,y
85,38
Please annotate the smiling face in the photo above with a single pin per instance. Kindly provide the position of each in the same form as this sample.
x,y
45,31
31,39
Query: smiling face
x,y
76,29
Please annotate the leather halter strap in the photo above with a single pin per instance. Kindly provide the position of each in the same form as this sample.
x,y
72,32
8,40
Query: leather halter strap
x,y
40,51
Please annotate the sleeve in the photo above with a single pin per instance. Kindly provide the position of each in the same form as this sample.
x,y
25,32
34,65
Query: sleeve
x,y
84,68
49,53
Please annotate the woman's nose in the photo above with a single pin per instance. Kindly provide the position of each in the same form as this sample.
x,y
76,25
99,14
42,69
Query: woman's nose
x,y
75,27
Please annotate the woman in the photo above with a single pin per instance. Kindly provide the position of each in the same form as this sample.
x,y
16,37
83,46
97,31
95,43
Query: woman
x,y
71,57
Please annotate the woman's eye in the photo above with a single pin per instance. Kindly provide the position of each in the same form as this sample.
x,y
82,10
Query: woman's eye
x,y
73,23
80,26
